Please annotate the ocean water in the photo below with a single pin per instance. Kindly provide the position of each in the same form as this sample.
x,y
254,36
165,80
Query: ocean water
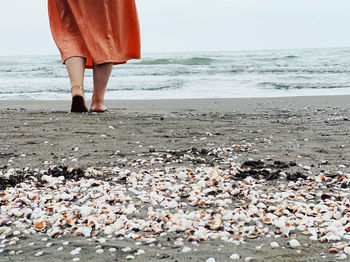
x,y
267,73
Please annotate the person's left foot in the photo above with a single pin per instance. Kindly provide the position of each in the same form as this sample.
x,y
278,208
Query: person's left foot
x,y
78,105
98,109
97,105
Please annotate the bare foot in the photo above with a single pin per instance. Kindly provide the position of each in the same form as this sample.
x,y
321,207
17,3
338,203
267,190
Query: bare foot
x,y
78,101
98,108
97,105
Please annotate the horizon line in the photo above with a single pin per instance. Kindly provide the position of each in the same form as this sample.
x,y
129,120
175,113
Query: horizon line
x,y
203,51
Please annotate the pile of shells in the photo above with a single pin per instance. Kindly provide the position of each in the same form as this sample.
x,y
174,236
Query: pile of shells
x,y
233,204
194,155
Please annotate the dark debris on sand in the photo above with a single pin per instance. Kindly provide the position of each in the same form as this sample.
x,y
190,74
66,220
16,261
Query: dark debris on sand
x,y
57,171
261,170
67,173
12,181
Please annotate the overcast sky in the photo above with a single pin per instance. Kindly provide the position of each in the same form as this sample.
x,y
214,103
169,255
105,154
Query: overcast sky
x,y
197,25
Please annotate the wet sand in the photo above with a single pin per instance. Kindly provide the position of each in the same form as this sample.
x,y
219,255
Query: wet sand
x,y
308,131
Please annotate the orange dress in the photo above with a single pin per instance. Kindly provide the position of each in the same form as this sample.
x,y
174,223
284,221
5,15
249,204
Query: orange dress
x,y
100,30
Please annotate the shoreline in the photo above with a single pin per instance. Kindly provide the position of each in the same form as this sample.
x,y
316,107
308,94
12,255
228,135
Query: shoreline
x,y
283,145
200,104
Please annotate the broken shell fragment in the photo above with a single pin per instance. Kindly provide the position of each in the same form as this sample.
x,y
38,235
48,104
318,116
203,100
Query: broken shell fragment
x,y
333,250
39,226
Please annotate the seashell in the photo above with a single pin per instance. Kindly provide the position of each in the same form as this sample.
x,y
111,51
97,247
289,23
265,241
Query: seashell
x,y
7,197
150,241
313,237
14,239
332,237
261,205
253,235
65,197
342,256
6,231
188,232
301,227
261,230
71,222
279,212
267,221
306,232
319,219
39,226
76,251
274,245
136,237
55,232
108,230
347,250
235,257
272,208
285,231
18,212
182,175
126,249
333,250
192,239
294,243
86,211
3,222
139,252
186,249
337,215
178,243
89,232
340,245
39,253
238,238
323,239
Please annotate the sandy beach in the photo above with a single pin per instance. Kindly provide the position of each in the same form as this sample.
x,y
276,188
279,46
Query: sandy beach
x,y
260,146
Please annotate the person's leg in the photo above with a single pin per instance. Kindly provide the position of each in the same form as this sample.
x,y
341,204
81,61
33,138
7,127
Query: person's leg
x,y
101,74
76,69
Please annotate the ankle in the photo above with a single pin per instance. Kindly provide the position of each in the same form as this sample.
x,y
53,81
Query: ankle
x,y
77,90
97,101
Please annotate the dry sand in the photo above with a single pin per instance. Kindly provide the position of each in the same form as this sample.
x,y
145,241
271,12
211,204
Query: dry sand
x,y
304,130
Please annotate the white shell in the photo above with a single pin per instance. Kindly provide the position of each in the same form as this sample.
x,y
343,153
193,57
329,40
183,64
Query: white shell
x,y
347,250
235,256
75,251
186,249
294,243
274,245
39,253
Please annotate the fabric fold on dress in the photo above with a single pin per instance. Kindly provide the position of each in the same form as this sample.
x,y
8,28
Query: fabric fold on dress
x,y
100,30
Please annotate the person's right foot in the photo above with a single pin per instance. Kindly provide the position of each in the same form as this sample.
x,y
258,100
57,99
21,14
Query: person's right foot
x,y
78,105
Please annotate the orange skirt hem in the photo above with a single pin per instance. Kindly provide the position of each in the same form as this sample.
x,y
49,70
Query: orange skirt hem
x,y
90,63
